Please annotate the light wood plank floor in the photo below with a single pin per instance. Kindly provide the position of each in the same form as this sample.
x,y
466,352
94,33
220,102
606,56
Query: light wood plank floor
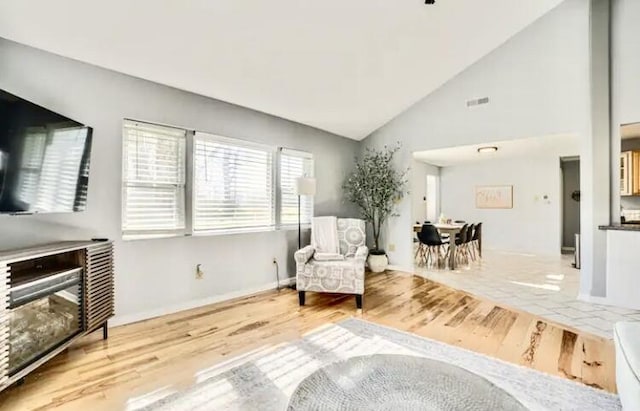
x,y
168,351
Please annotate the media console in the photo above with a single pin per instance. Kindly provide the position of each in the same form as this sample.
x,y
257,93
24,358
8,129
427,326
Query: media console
x,y
51,295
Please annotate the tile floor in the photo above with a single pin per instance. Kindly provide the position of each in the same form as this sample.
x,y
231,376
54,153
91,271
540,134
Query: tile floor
x,y
546,286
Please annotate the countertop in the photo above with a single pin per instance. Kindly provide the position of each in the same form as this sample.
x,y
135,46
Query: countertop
x,y
621,227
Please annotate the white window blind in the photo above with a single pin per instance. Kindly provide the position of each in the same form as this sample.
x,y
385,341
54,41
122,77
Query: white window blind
x,y
233,185
153,178
294,164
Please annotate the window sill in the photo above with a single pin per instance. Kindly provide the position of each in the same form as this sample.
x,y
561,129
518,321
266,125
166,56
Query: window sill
x,y
151,236
249,230
233,231
294,227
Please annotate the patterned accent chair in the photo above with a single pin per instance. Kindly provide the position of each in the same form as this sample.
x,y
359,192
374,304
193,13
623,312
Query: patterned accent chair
x,y
341,276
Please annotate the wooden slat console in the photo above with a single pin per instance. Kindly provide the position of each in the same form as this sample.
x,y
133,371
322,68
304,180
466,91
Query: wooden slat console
x,y
94,258
98,286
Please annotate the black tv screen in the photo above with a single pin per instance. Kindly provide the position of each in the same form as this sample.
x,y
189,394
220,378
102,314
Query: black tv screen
x,y
44,159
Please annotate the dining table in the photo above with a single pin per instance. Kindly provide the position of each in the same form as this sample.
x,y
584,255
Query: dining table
x,y
447,228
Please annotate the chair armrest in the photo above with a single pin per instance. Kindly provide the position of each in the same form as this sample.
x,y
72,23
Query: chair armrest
x,y
361,253
304,254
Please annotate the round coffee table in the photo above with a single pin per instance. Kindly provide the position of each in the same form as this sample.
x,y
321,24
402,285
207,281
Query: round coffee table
x,y
398,382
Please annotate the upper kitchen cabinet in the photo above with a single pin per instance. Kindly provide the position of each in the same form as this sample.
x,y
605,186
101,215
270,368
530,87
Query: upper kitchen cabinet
x,y
630,160
630,173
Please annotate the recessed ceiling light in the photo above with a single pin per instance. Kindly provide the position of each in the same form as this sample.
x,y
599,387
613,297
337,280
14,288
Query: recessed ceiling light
x,y
488,149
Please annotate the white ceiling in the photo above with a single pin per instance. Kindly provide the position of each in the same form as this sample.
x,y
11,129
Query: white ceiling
x,y
343,66
559,145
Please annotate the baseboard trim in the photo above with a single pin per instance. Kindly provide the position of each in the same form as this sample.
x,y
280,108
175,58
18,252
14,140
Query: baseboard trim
x,y
400,268
188,305
604,301
593,299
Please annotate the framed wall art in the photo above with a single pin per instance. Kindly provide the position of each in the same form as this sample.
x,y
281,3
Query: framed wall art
x,y
494,196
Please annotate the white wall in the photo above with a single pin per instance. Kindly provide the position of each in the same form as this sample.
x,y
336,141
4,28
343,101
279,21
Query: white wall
x,y
623,282
159,273
533,225
537,82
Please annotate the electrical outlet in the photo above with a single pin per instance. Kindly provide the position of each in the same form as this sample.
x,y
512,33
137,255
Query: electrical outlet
x,y
392,247
199,272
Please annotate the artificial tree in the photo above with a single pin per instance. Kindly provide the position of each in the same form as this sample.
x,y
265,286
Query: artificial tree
x,y
376,185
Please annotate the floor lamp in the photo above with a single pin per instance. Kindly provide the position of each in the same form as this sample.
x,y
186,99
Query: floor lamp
x,y
305,186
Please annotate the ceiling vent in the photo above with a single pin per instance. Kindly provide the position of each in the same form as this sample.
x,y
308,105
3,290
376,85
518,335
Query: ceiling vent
x,y
478,102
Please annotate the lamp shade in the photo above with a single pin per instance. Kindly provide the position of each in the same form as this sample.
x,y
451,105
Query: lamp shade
x,y
306,186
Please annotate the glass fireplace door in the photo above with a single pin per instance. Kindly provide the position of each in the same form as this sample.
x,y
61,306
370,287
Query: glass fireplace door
x,y
44,314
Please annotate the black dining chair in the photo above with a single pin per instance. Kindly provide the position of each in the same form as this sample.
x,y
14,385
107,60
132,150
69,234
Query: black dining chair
x,y
476,241
461,241
462,233
431,246
467,246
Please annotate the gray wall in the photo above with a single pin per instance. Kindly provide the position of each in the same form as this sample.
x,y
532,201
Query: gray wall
x,y
595,158
629,203
570,207
537,83
159,273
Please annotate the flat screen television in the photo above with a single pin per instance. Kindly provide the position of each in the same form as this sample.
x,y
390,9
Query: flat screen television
x,y
44,159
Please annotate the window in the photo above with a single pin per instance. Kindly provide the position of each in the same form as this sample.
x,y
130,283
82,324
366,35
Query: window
x,y
233,185
294,164
153,190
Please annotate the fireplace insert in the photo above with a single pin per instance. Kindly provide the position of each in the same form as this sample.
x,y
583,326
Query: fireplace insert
x,y
45,311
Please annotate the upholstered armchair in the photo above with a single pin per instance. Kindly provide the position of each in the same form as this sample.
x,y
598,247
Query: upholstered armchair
x,y
340,273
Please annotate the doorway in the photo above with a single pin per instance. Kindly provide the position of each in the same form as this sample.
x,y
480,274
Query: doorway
x,y
431,199
570,167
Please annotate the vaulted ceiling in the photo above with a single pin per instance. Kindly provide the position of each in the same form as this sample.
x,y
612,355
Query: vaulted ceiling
x,y
347,67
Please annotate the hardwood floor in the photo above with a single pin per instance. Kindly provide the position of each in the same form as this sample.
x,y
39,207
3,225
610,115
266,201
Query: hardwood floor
x,y
169,351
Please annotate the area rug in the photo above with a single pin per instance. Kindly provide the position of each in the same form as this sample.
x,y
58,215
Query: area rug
x,y
266,379
398,382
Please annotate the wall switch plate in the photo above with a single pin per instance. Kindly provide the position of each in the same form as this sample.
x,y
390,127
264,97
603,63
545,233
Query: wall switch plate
x,y
392,247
